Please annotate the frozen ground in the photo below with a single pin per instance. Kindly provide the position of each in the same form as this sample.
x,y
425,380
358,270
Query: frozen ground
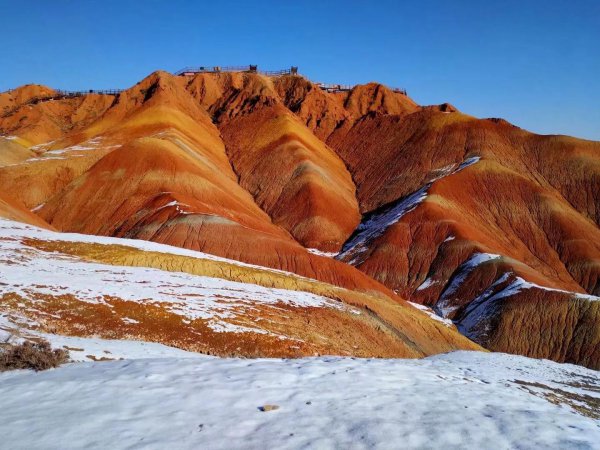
x,y
86,349
458,400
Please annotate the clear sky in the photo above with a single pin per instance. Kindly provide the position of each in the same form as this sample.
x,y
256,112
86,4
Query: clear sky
x,y
535,63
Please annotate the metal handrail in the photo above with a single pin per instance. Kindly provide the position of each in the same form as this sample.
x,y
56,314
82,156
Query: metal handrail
x,y
330,87
90,91
248,69
60,94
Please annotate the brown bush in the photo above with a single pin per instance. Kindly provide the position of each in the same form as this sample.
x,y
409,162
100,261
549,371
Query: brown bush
x,y
32,355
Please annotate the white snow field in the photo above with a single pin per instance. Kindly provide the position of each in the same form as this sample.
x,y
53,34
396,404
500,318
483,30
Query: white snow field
x,y
457,400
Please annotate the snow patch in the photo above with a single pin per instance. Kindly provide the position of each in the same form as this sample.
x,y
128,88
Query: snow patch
x,y
41,146
432,314
89,349
178,206
475,322
17,230
519,284
468,162
74,151
443,307
377,224
426,284
318,252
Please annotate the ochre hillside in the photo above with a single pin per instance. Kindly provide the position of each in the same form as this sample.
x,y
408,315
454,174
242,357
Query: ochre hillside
x,y
358,189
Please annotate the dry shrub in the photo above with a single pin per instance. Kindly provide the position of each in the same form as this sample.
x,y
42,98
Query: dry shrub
x,y
31,355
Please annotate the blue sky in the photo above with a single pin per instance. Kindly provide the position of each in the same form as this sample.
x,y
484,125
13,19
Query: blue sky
x,y
534,63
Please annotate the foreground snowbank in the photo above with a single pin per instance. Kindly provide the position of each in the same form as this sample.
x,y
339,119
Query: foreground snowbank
x,y
463,399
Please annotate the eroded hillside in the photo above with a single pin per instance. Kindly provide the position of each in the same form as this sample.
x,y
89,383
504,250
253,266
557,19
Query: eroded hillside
x,y
362,190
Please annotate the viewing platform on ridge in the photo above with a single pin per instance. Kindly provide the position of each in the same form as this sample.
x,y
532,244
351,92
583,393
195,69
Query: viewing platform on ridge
x,y
188,71
328,87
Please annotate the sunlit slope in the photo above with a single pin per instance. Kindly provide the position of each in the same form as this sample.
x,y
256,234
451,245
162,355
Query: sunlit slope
x,y
299,181
12,152
489,208
90,286
154,167
324,112
294,177
406,151
36,115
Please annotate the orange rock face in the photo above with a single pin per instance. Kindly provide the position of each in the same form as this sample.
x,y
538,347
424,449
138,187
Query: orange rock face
x,y
480,220
458,187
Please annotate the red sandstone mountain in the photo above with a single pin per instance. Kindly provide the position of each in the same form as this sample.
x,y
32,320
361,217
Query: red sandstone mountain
x,y
489,225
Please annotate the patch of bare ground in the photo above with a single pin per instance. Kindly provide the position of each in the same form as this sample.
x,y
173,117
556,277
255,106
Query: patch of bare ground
x,y
584,404
31,355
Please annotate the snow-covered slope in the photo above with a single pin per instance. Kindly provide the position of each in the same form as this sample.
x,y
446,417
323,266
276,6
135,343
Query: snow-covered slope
x,y
88,286
34,275
13,230
457,400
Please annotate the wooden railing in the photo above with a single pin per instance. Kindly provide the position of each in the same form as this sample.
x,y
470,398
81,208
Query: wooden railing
x,y
329,87
278,73
60,93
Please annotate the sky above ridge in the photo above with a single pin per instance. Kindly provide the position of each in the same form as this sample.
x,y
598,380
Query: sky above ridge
x,y
535,63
